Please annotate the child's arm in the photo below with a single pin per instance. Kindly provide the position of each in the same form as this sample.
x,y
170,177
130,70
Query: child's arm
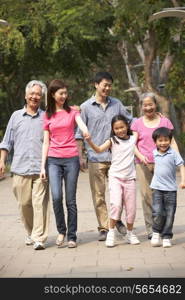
x,y
100,148
182,172
141,157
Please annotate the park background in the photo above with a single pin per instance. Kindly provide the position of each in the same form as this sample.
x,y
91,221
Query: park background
x,y
73,39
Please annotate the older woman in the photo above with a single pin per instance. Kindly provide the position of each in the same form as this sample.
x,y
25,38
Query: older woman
x,y
143,128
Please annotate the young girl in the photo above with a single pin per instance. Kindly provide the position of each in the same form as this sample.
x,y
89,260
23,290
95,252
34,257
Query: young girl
x,y
60,151
122,176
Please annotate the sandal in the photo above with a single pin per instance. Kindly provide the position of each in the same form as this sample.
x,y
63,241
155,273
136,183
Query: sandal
x,y
60,239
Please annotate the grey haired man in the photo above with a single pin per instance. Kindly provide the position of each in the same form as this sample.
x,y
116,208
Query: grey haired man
x,y
24,134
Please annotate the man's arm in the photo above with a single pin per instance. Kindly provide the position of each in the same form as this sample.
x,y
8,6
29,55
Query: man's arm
x,y
6,145
83,162
3,157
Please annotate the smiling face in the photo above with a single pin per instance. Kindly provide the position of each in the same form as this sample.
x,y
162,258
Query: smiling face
x,y
33,97
60,97
103,88
163,143
149,107
120,129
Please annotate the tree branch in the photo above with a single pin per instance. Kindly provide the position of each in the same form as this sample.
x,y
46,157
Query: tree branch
x,y
166,66
122,48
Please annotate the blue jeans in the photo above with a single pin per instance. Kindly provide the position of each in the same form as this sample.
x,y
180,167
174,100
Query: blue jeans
x,y
67,169
163,212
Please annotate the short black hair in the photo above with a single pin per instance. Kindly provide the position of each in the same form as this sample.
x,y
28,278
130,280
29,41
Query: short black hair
x,y
102,75
162,131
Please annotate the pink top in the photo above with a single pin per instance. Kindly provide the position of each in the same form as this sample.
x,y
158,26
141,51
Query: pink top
x,y
145,143
122,164
61,127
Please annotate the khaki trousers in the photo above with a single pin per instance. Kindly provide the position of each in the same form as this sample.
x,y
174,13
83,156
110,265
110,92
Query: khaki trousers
x,y
98,174
144,175
32,195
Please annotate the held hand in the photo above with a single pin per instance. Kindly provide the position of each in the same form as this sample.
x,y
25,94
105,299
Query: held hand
x,y
76,107
144,159
83,164
43,174
86,136
159,114
2,168
182,185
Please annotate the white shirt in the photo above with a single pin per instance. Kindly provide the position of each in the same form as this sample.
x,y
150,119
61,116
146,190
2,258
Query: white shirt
x,y
122,164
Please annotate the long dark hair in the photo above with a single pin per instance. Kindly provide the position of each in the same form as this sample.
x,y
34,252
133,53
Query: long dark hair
x,y
55,85
119,118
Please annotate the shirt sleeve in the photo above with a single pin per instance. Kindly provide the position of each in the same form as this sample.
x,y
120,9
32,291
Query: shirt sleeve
x,y
125,113
8,139
178,159
169,124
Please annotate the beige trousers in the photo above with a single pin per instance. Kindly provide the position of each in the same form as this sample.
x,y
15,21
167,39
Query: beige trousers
x,y
98,174
32,195
144,175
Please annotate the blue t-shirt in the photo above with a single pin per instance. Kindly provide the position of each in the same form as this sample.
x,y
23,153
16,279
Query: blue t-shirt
x,y
164,178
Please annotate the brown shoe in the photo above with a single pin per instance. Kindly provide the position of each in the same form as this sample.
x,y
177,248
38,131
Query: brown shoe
x,y
60,240
72,244
102,235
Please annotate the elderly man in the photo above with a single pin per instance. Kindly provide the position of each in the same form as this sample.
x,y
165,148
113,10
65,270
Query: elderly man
x,y
24,134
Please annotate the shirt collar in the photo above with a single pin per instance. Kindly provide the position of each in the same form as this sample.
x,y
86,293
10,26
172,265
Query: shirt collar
x,y
24,112
156,152
93,100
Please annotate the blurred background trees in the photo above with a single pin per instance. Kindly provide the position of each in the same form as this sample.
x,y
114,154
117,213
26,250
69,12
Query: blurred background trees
x,y
73,39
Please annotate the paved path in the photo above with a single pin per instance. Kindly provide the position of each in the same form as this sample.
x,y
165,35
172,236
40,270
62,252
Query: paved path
x,y
91,259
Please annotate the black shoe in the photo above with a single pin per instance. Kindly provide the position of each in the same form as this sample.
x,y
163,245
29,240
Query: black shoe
x,y
102,235
121,227
149,236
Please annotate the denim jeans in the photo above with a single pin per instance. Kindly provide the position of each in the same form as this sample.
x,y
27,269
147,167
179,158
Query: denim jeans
x,y
163,212
66,169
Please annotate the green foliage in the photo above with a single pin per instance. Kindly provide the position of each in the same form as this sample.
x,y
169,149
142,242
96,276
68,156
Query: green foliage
x,y
70,39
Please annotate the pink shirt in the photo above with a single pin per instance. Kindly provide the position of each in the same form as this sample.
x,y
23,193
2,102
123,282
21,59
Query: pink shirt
x,y
145,142
61,127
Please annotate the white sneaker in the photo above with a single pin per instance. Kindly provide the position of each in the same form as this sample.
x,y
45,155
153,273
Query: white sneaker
x,y
110,240
38,246
132,238
28,240
156,239
167,243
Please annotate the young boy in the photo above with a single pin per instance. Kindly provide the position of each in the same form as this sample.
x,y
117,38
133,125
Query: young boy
x,y
164,187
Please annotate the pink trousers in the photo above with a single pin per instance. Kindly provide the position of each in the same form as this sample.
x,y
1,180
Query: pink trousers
x,y
122,194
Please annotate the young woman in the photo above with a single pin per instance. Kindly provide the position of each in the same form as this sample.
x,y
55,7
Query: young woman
x,y
122,177
61,153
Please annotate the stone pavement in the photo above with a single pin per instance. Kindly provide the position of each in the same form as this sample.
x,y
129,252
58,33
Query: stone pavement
x,y
91,259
